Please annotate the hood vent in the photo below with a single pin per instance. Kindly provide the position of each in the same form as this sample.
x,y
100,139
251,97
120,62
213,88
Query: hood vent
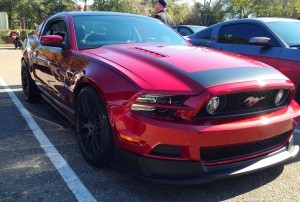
x,y
154,54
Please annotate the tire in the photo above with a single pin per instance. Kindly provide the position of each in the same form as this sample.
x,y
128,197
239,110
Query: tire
x,y
30,90
297,94
93,128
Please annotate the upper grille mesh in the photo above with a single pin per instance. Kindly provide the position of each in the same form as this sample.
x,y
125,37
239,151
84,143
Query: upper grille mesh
x,y
238,103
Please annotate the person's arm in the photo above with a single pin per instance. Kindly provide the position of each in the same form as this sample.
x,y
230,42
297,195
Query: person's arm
x,y
157,17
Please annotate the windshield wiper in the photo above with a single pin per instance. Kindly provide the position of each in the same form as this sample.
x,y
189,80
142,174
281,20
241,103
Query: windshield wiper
x,y
296,46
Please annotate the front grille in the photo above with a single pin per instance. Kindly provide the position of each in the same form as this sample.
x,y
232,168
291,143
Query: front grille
x,y
239,103
209,155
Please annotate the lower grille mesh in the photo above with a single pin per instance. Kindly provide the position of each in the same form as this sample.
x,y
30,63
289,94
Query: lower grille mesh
x,y
241,150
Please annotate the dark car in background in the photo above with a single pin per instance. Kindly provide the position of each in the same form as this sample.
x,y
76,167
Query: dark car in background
x,y
274,41
186,30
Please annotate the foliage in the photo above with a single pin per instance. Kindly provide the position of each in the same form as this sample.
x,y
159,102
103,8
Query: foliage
x,y
34,11
23,33
205,13
125,6
180,12
5,35
262,8
143,7
54,6
208,13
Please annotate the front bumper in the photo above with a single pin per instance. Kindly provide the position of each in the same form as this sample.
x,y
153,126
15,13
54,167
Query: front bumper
x,y
191,172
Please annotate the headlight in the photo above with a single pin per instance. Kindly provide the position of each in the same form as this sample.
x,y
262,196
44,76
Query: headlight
x,y
281,96
157,103
213,105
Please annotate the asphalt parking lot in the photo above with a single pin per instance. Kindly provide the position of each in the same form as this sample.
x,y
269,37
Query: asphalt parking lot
x,y
52,168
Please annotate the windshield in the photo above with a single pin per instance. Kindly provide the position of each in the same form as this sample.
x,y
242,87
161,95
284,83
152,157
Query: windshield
x,y
197,28
97,30
288,31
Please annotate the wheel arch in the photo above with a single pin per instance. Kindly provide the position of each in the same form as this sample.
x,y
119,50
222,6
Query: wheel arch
x,y
83,85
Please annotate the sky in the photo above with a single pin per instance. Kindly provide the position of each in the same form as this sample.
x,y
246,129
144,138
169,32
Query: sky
x,y
191,2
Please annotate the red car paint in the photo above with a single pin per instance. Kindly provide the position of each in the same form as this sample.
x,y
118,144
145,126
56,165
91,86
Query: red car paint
x,y
123,73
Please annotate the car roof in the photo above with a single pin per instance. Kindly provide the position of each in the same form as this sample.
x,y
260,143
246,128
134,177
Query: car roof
x,y
263,20
188,26
269,19
91,13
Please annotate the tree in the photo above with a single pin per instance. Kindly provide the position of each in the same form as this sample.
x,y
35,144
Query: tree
x,y
51,7
262,8
31,10
142,7
126,6
210,12
180,13
9,7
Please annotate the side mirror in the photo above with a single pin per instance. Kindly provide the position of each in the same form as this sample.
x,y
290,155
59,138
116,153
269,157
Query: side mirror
x,y
52,40
263,41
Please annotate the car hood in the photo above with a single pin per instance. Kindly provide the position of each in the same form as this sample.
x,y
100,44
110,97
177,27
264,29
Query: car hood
x,y
184,68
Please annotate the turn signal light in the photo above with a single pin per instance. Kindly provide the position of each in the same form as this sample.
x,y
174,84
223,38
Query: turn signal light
x,y
128,138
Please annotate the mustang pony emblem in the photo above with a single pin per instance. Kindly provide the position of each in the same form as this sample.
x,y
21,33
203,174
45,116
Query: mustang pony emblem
x,y
250,101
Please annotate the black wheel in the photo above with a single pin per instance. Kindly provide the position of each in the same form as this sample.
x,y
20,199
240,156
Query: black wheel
x,y
297,94
29,88
93,128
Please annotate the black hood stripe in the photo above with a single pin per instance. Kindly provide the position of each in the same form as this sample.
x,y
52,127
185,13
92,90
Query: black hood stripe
x,y
232,75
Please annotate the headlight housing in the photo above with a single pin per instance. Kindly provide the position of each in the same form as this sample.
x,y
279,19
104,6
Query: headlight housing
x,y
158,105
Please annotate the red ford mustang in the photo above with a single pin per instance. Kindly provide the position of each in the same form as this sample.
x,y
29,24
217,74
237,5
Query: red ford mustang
x,y
145,101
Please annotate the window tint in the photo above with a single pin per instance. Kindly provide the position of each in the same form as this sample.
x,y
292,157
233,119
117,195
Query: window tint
x,y
56,28
176,28
204,34
97,30
288,31
241,33
185,32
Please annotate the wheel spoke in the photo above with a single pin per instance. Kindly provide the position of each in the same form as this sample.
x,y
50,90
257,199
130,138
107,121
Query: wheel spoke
x,y
86,106
96,142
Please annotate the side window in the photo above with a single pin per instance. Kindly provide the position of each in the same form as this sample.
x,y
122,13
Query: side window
x,y
241,33
57,27
184,31
204,34
39,29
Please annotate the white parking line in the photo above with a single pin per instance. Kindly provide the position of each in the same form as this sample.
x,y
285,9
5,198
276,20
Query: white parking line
x,y
66,172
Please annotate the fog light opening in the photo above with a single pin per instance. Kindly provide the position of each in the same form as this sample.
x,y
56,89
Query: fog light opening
x,y
213,105
166,150
281,97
